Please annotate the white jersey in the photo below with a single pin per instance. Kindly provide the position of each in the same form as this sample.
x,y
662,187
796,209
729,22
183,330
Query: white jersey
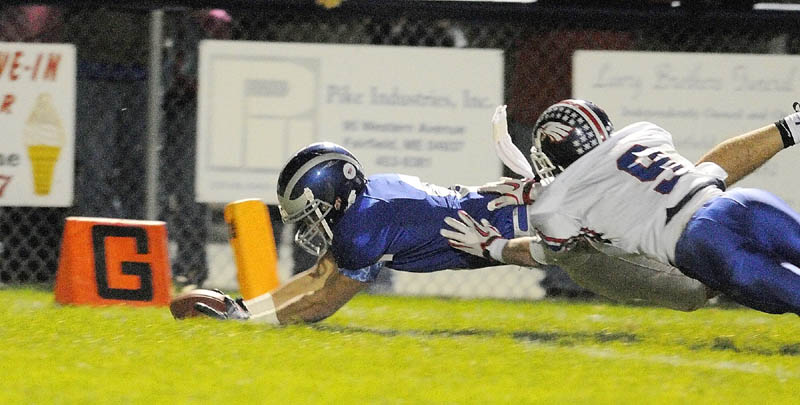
x,y
633,191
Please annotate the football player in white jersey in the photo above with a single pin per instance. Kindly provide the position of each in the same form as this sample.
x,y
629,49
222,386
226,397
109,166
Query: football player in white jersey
x,y
631,189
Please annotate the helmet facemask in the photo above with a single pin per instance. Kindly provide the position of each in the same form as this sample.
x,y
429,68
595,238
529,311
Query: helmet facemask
x,y
542,165
313,234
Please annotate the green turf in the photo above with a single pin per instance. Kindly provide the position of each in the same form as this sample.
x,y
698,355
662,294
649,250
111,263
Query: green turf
x,y
398,350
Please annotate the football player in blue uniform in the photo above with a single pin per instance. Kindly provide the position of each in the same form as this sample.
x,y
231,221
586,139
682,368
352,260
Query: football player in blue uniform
x,y
359,225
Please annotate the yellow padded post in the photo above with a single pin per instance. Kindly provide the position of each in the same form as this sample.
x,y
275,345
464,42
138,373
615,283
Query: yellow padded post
x,y
253,246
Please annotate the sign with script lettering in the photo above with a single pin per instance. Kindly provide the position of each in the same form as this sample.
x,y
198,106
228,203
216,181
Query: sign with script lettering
x,y
37,124
418,111
701,99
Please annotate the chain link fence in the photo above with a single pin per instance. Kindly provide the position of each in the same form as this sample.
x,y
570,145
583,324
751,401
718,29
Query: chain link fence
x,y
112,94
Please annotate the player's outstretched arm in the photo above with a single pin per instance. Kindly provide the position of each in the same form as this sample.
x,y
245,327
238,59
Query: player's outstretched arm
x,y
310,296
483,239
743,154
518,251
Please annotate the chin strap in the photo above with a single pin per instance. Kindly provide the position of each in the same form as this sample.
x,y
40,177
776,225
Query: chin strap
x,y
351,199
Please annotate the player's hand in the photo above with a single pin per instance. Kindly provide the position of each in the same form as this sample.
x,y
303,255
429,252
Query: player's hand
x,y
469,235
234,309
512,192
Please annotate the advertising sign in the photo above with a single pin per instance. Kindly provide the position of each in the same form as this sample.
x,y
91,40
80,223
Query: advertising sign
x,y
418,111
37,124
701,99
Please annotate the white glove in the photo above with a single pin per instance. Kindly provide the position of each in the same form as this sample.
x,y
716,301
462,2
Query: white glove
x,y
505,149
512,192
479,239
234,309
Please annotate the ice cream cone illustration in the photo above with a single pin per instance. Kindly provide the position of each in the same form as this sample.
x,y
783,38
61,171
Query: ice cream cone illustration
x,y
44,137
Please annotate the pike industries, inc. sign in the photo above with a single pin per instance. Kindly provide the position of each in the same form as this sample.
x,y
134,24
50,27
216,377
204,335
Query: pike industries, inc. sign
x,y
418,111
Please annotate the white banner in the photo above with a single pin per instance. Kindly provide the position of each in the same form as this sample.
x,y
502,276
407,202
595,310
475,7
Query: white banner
x,y
418,111
702,99
37,124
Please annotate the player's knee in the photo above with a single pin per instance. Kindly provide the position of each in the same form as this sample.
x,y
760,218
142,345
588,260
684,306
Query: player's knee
x,y
691,297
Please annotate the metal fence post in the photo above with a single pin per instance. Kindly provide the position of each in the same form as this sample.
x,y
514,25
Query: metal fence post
x,y
154,94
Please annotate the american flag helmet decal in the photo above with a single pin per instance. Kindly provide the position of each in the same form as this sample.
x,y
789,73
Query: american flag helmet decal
x,y
567,130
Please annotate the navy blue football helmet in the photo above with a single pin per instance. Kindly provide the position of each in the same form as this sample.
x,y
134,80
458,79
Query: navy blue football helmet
x,y
566,131
315,188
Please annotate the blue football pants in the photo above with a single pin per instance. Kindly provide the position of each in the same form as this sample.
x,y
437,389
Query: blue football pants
x,y
745,244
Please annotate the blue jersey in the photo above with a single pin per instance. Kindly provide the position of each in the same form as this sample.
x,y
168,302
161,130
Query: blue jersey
x,y
395,222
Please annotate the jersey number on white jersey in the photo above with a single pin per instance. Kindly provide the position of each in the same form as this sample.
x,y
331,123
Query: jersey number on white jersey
x,y
649,167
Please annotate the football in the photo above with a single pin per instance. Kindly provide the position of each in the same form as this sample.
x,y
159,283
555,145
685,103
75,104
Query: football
x,y
182,306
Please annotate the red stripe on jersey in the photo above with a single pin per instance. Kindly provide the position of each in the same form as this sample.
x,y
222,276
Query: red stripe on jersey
x,y
553,240
554,243
586,232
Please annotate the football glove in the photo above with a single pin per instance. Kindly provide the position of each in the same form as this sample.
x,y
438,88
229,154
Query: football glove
x,y
471,236
505,148
234,309
512,192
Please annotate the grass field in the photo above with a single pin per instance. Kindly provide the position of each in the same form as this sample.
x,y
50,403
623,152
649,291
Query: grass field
x,y
398,350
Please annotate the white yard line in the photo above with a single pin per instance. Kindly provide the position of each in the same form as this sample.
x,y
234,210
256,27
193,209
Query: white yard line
x,y
679,361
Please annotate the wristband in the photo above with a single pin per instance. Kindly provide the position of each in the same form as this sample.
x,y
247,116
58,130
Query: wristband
x,y
262,309
496,249
537,248
789,129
